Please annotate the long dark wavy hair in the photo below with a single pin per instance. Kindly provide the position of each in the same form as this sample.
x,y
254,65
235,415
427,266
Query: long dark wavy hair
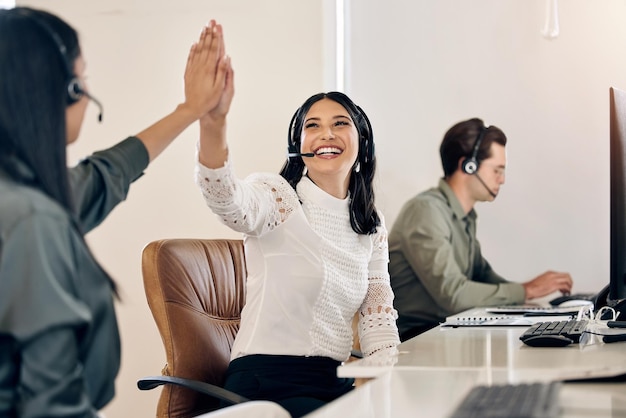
x,y
363,214
33,102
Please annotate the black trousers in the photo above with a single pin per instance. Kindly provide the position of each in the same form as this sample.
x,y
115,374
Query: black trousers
x,y
298,384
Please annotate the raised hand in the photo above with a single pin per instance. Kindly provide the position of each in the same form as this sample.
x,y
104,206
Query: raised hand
x,y
223,106
208,74
208,93
213,147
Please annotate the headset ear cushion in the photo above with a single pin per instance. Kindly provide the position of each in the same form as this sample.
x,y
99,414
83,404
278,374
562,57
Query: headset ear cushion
x,y
74,90
470,165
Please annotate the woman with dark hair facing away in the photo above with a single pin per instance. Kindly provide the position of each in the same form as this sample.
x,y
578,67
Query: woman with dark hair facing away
x,y
316,253
59,340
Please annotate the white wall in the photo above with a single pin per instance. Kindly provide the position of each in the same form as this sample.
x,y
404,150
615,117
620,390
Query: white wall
x,y
418,67
136,53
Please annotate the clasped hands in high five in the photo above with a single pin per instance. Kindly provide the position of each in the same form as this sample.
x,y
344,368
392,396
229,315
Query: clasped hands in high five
x,y
208,92
209,87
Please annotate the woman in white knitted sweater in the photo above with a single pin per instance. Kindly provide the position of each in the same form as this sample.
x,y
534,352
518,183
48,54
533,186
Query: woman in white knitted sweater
x,y
316,250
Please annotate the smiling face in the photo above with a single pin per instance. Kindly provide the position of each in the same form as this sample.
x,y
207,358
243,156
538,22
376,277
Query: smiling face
x,y
329,132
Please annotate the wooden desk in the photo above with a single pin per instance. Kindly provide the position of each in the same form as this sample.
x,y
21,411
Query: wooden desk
x,y
435,370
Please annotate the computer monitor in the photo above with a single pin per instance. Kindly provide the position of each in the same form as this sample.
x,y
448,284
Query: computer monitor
x,y
617,281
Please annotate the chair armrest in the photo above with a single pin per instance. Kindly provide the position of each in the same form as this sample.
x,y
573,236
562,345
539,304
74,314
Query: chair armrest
x,y
151,382
356,353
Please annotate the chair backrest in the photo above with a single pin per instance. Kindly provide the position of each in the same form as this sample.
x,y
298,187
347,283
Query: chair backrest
x,y
195,290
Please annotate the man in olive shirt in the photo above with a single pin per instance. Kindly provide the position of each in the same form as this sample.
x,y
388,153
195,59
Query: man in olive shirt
x,y
435,261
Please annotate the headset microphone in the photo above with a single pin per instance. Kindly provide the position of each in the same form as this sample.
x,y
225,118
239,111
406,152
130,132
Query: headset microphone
x,y
75,89
297,154
485,186
470,164
96,102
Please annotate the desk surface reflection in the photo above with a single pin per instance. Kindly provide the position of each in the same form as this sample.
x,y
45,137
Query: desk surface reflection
x,y
434,371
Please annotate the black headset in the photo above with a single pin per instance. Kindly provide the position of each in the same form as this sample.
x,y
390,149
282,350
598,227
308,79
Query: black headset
x,y
74,90
470,164
291,146
369,142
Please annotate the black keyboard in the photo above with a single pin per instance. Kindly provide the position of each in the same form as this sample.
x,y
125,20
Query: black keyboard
x,y
523,400
554,333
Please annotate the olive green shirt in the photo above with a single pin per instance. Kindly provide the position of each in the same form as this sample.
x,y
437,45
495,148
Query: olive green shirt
x,y
436,265
59,340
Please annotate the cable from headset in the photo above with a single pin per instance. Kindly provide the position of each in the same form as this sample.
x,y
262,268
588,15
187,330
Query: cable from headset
x,y
610,330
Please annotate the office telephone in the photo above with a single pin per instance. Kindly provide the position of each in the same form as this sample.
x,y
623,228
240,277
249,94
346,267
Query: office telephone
x,y
602,299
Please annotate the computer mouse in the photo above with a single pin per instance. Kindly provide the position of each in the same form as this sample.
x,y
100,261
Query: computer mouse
x,y
574,303
577,296
548,341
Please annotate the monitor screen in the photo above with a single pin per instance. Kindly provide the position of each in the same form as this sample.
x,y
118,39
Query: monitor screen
x,y
617,282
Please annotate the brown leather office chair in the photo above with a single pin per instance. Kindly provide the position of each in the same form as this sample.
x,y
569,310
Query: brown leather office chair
x,y
195,290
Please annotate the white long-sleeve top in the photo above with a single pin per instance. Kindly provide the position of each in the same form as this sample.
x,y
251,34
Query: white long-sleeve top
x,y
308,271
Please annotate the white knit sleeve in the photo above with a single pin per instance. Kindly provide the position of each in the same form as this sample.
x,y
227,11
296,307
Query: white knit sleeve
x,y
377,324
252,206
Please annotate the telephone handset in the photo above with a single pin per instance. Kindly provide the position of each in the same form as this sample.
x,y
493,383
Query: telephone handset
x,y
602,299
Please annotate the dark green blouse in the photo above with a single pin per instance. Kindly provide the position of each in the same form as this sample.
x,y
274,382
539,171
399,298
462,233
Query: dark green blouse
x,y
59,341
